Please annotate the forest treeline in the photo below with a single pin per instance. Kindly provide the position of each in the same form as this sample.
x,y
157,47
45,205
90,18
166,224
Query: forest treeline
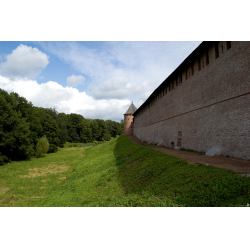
x,y
22,125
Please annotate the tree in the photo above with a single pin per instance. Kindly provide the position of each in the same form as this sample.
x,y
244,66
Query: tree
x,y
121,127
75,119
102,128
28,112
61,120
52,112
15,140
42,147
74,128
106,136
114,128
62,124
110,126
95,130
86,133
50,129
72,135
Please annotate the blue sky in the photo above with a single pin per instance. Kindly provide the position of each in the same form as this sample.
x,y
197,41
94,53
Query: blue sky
x,y
95,79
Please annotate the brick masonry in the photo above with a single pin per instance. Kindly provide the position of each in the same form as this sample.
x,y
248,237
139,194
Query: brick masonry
x,y
128,124
200,106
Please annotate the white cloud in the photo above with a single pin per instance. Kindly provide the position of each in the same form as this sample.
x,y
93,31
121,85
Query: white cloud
x,y
65,99
74,81
120,87
123,69
24,61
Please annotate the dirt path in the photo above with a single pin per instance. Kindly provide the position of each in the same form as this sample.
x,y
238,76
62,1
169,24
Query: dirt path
x,y
237,165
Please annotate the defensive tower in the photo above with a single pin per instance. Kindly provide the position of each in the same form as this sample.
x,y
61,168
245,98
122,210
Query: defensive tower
x,y
129,120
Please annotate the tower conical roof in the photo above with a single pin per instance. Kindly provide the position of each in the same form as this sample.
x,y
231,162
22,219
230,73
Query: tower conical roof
x,y
131,109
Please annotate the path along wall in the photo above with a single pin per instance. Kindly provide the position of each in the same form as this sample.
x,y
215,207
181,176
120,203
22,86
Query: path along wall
x,y
209,108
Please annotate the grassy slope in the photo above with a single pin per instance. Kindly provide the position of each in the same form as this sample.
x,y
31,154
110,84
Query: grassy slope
x,y
33,178
120,173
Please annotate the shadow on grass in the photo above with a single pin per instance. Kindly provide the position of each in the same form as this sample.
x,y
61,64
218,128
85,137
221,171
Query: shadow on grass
x,y
121,173
151,178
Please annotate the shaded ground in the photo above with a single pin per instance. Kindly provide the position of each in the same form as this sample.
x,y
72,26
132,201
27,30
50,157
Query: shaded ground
x,y
236,165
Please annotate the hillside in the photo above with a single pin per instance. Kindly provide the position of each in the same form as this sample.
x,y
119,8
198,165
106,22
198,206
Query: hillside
x,y
120,173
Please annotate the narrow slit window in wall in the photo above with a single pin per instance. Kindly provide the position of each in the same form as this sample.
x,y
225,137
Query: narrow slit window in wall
x,y
176,81
216,50
199,64
192,69
207,58
228,45
181,78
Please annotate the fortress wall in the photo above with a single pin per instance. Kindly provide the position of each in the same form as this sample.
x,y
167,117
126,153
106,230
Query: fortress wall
x,y
210,108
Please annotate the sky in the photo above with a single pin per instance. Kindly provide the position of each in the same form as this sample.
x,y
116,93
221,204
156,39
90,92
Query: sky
x,y
94,79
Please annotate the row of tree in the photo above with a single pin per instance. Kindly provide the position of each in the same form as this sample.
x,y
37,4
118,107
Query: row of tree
x,y
22,125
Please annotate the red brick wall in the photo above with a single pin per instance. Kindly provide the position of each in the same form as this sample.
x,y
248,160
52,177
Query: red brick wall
x,y
211,108
128,124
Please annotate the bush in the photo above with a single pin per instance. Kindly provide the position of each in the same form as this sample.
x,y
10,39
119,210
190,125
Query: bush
x,y
3,159
42,147
52,148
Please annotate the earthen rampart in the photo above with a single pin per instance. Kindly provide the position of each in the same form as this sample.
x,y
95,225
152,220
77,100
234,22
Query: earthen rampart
x,y
204,103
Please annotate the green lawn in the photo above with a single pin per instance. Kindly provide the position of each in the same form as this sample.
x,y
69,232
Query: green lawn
x,y
118,173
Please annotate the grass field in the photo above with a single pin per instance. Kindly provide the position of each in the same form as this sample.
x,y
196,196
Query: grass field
x,y
118,173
